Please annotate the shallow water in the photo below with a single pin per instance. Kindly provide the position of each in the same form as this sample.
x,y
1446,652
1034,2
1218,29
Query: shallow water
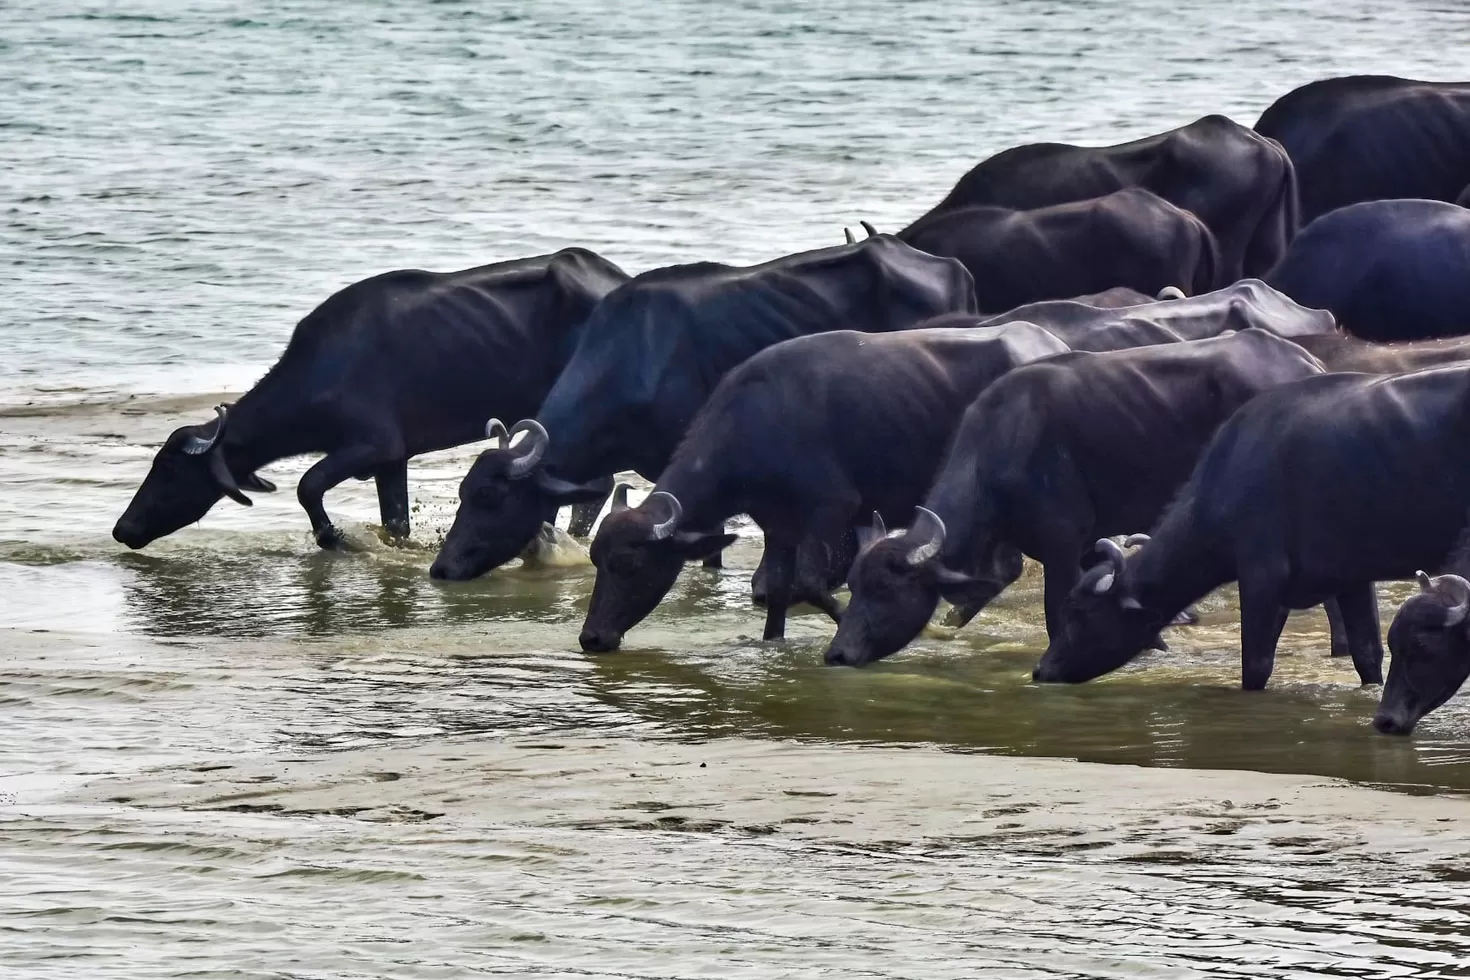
x,y
231,755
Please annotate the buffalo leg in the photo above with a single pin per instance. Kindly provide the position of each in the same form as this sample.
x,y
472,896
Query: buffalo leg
x,y
584,515
392,483
1060,577
1262,617
1358,607
1336,628
780,576
326,473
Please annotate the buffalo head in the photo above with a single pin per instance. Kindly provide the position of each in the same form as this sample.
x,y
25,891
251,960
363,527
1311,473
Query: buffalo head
x,y
1430,641
638,552
896,583
503,501
1104,625
189,474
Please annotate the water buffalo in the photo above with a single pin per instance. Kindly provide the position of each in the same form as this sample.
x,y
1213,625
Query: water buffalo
x,y
654,350
1388,270
1240,184
1239,306
400,364
1316,489
1372,138
802,437
1131,237
1046,460
1430,640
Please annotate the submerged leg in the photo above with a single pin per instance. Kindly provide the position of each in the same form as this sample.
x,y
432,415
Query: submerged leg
x,y
1337,629
584,515
392,483
780,576
326,473
1262,618
1358,607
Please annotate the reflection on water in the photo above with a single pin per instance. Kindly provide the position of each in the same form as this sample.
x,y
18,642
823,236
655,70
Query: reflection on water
x,y
368,644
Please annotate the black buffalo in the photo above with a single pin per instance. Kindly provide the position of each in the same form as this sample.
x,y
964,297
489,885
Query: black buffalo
x,y
654,350
1131,238
1314,490
803,437
1388,270
1081,325
1430,640
1049,458
1373,138
1240,184
390,367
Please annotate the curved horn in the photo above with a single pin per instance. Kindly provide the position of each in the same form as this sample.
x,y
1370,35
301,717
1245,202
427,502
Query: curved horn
x,y
868,228
1458,589
1171,292
847,232
676,510
872,534
1133,540
195,446
536,445
928,532
620,497
1426,584
1110,552
496,432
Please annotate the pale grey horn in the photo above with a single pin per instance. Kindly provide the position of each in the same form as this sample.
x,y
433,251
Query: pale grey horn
x,y
1111,553
536,444
497,433
1459,589
676,510
1171,292
928,533
847,232
868,228
195,446
620,497
1134,540
1426,584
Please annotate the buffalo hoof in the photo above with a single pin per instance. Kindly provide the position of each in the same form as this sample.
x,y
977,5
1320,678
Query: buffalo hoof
x,y
330,538
959,616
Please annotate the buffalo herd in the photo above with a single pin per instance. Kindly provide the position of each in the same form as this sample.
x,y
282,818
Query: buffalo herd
x,y
1215,355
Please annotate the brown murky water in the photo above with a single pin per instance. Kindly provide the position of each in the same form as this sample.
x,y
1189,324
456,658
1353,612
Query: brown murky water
x,y
235,756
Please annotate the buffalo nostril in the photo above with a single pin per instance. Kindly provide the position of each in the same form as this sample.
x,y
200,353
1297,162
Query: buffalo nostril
x,y
1388,725
594,641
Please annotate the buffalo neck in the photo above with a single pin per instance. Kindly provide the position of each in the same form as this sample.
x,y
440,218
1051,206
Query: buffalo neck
x,y
1180,565
273,421
965,504
696,481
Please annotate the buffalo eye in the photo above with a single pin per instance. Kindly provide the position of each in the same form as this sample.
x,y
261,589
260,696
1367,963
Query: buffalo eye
x,y
622,563
488,494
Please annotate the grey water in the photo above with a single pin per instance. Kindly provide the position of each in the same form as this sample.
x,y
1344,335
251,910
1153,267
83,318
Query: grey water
x,y
231,755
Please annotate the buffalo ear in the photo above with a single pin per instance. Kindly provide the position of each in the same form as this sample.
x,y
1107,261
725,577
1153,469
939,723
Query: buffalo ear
x,y
566,492
258,483
694,546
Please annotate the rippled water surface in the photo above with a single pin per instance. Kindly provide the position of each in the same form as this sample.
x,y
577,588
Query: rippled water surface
x,y
234,756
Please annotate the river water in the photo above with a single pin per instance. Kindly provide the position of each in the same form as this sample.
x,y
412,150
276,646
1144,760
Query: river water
x,y
234,756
